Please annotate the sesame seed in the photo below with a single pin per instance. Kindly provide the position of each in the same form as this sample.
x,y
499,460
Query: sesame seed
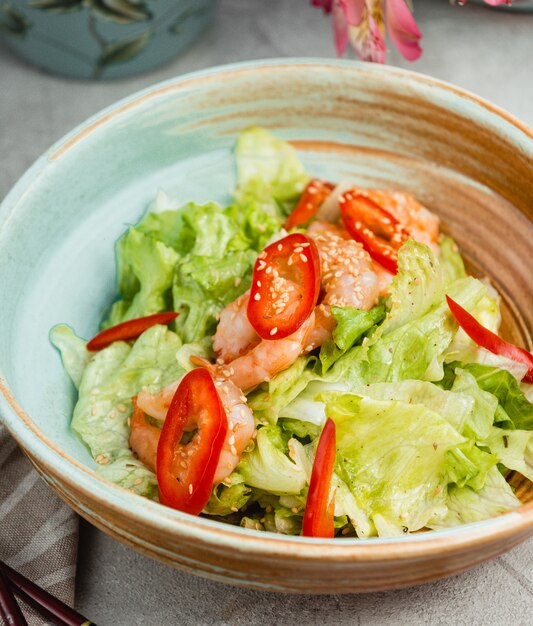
x,y
234,509
231,440
303,258
121,408
298,249
268,269
274,331
190,488
137,481
237,281
233,450
257,297
258,283
280,247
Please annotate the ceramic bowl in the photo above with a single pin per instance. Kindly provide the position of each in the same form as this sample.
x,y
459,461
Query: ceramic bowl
x,y
102,39
464,158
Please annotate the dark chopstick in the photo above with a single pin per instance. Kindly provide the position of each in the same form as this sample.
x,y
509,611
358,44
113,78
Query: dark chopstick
x,y
42,601
9,609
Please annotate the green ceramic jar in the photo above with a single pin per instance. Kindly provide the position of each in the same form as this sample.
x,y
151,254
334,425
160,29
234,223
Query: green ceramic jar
x,y
102,39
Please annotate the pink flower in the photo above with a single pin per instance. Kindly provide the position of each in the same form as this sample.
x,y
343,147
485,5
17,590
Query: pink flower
x,y
493,3
363,23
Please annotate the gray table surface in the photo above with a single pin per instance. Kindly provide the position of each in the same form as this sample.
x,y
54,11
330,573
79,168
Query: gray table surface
x,y
482,50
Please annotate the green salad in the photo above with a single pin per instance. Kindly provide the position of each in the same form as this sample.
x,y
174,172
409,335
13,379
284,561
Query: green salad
x,y
427,424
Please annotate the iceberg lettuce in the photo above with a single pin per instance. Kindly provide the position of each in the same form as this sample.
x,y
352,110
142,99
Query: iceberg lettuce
x,y
466,505
109,381
398,460
267,465
268,170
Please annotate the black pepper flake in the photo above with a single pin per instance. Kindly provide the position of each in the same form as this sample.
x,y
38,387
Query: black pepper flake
x,y
505,441
405,529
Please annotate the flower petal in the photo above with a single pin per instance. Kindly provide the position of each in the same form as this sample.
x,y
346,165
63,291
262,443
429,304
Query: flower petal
x,y
323,4
368,41
353,10
340,28
403,29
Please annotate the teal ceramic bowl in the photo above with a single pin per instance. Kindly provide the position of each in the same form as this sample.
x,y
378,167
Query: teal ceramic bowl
x,y
464,158
102,39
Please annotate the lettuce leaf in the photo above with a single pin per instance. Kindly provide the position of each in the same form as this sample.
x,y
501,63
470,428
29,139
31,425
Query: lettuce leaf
x,y
267,465
501,384
512,448
396,459
111,378
73,351
414,350
203,285
145,268
466,505
456,408
352,324
227,499
450,260
267,400
130,473
268,170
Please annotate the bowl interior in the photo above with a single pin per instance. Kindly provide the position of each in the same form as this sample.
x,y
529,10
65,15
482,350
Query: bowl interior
x,y
376,126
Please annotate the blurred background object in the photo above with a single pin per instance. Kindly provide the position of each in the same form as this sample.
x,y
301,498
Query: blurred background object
x,y
102,39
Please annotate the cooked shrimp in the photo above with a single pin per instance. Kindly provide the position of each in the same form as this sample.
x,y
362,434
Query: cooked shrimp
x,y
145,436
268,358
348,279
348,276
420,223
323,328
241,427
234,334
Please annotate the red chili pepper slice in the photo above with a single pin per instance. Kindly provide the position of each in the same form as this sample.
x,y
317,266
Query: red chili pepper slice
x,y
131,329
285,286
489,340
185,471
371,225
312,197
320,508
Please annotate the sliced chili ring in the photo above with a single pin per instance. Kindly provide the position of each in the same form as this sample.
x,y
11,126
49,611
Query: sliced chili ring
x,y
131,329
312,197
285,286
380,233
185,471
320,507
485,338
